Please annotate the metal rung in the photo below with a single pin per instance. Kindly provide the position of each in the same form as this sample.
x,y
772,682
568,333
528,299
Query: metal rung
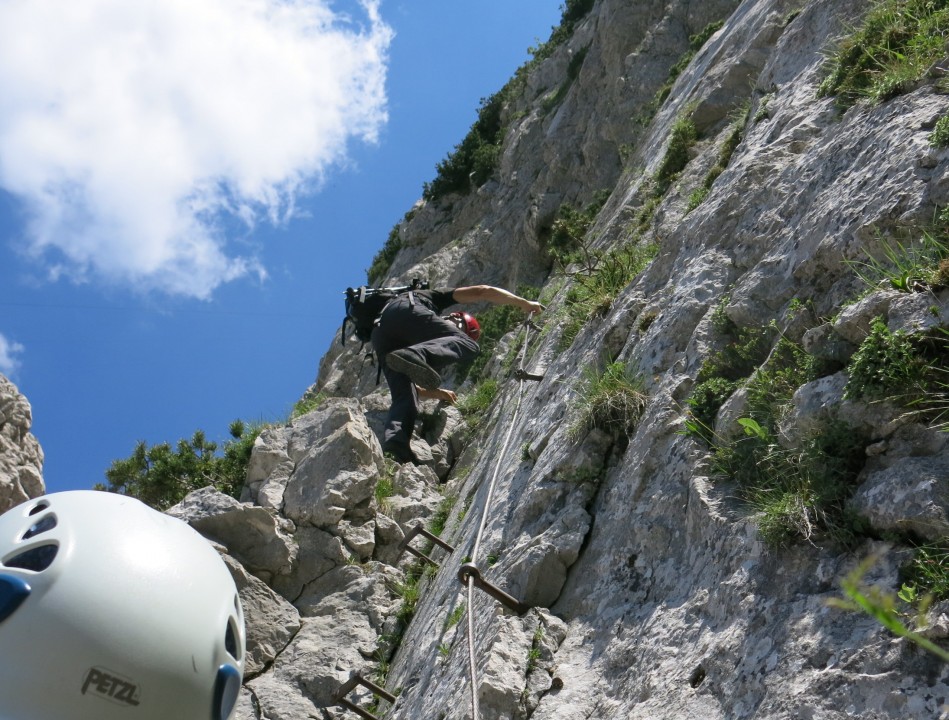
x,y
350,685
420,530
470,570
521,374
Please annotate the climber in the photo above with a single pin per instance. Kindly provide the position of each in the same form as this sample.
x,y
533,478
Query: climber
x,y
413,342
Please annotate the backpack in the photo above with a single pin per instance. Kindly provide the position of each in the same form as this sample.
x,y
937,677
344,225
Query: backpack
x,y
365,304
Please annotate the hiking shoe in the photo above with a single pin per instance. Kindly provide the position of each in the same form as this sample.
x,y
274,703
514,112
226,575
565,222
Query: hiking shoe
x,y
399,452
408,362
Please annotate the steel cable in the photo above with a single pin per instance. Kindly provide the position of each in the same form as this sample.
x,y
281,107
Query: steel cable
x,y
472,662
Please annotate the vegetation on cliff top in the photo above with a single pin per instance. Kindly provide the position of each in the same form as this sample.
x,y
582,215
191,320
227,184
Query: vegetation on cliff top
x,y
897,45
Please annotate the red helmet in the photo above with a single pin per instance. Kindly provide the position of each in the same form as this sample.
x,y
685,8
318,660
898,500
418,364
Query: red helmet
x,y
467,324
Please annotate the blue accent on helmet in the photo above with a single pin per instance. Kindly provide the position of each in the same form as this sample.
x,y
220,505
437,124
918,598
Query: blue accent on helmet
x,y
227,687
13,591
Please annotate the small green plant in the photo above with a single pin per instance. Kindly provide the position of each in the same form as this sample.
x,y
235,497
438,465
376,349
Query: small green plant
x,y
928,572
609,399
892,50
939,138
762,113
444,649
476,403
474,160
534,654
883,607
798,492
567,240
385,257
410,593
906,266
704,403
455,616
436,525
554,98
385,485
886,364
308,403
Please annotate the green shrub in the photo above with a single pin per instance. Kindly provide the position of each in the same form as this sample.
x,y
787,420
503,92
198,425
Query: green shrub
x,y
724,157
307,404
596,286
455,616
885,365
567,239
704,403
384,258
890,52
161,476
610,400
474,160
681,139
885,607
797,492
743,351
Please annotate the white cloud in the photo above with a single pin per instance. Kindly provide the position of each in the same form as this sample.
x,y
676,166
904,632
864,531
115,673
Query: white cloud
x,y
9,362
133,131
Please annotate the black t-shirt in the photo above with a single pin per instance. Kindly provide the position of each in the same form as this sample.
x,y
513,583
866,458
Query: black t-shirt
x,y
437,299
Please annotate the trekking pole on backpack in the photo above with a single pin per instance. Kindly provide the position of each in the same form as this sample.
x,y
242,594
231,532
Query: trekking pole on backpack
x,y
365,304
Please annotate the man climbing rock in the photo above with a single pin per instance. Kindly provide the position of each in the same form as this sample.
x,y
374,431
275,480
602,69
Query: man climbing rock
x,y
413,342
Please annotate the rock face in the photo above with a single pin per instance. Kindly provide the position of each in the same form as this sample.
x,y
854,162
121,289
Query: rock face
x,y
653,590
21,457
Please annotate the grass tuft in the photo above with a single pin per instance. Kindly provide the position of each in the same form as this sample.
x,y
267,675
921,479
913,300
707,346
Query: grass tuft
x,y
610,400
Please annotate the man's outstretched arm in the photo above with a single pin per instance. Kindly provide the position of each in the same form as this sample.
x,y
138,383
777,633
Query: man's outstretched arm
x,y
495,295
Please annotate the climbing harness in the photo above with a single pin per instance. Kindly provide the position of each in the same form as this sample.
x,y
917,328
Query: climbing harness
x,y
468,574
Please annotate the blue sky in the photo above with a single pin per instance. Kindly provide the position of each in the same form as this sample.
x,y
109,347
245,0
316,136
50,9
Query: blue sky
x,y
187,186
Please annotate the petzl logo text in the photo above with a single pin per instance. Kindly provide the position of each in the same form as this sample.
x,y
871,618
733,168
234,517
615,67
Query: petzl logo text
x,y
106,684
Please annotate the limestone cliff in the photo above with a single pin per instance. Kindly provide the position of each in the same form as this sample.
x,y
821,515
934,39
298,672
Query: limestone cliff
x,y
653,586
21,457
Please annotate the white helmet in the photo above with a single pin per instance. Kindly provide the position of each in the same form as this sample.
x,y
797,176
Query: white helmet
x,y
110,610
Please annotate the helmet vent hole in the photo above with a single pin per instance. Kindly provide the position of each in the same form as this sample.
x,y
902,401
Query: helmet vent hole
x,y
230,640
36,559
39,507
47,522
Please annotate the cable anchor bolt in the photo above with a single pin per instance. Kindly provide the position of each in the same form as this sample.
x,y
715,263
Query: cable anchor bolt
x,y
470,571
350,685
420,530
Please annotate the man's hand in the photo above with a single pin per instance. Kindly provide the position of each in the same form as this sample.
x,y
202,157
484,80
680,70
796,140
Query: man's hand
x,y
496,296
531,307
